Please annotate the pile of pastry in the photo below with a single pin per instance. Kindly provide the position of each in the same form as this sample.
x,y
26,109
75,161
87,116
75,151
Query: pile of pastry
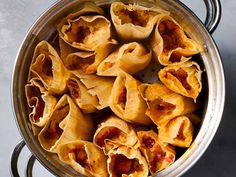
x,y
88,104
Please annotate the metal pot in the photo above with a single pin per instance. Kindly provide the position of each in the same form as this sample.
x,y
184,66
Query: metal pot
x,y
45,27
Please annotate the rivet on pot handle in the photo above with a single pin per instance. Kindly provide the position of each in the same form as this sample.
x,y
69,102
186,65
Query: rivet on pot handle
x,y
213,15
14,161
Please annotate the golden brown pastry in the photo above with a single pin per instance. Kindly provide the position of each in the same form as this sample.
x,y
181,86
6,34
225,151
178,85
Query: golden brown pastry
x,y
178,132
49,68
126,162
133,22
66,123
170,44
159,155
79,93
113,133
183,78
40,101
97,86
126,101
85,157
131,58
164,104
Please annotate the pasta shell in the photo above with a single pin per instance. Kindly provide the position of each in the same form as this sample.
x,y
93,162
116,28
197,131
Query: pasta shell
x,y
184,78
170,44
164,104
131,58
126,162
85,157
97,86
178,132
40,101
159,155
66,123
114,132
126,101
48,67
133,22
86,32
79,93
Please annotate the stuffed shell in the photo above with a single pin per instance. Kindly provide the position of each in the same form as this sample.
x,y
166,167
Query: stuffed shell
x,y
66,123
170,44
131,58
85,157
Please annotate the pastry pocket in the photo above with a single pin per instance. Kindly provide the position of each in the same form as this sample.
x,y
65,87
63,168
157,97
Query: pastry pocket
x,y
133,22
126,161
86,32
79,93
184,78
164,104
159,155
131,58
85,157
97,86
178,132
170,44
49,68
113,133
66,123
41,102
126,101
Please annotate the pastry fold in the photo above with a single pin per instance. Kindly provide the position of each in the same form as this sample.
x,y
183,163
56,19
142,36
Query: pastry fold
x,y
178,132
183,78
159,155
79,93
85,157
66,123
164,104
49,68
113,133
41,102
97,86
126,161
126,101
86,32
133,22
131,58
170,44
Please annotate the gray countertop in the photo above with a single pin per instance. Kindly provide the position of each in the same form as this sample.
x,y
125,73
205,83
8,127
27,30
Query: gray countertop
x,y
15,19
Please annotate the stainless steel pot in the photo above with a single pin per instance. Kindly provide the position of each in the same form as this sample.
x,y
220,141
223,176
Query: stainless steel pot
x,y
45,27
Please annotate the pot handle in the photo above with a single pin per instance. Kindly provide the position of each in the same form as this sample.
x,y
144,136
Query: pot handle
x,y
14,161
213,14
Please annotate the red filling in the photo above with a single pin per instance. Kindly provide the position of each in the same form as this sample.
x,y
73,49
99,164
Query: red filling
x,y
110,133
123,165
123,98
82,33
134,17
158,157
47,67
74,88
182,76
148,141
162,106
181,132
81,157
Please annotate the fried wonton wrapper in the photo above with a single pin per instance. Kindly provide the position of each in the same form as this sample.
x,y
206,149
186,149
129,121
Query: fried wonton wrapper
x,y
164,104
126,162
131,58
85,157
170,44
49,68
79,93
158,155
133,22
40,101
97,86
126,101
114,132
86,32
178,132
184,78
66,123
